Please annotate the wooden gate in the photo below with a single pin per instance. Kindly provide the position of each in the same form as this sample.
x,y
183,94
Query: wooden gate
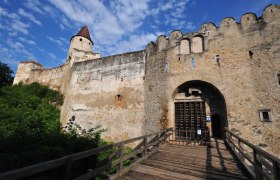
x,y
190,116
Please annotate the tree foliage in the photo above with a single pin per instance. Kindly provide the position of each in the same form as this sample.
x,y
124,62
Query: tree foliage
x,y
30,130
6,73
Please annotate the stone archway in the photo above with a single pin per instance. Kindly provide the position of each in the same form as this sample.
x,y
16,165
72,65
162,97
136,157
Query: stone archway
x,y
196,104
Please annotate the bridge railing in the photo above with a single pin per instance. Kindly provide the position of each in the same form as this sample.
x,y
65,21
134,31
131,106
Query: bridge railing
x,y
116,162
189,137
260,164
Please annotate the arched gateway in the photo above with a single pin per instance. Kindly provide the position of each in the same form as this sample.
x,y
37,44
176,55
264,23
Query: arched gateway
x,y
200,105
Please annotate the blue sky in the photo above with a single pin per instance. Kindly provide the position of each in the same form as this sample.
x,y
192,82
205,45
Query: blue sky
x,y
41,29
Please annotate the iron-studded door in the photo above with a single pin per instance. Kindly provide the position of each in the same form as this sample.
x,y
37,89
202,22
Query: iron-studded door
x,y
190,115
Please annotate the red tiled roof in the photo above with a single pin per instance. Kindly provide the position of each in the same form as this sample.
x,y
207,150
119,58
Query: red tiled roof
x,y
84,32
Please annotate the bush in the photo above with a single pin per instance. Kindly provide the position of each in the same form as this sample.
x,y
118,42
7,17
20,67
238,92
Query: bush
x,y
30,130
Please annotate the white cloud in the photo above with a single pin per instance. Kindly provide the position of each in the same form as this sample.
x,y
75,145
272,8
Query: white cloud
x,y
61,42
12,34
34,5
30,42
3,12
135,42
109,25
20,27
14,22
19,47
171,13
29,16
52,55
14,45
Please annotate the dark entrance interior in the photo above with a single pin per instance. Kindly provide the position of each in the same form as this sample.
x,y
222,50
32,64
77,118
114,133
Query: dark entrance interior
x,y
216,126
195,102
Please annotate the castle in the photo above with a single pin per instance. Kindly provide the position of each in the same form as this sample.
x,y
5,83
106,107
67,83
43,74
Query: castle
x,y
227,76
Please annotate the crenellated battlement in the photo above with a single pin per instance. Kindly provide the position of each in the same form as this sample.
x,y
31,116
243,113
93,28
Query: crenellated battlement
x,y
194,42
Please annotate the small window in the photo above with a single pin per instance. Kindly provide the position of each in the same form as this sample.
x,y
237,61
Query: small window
x,y
251,54
278,78
265,115
193,63
118,97
81,39
195,93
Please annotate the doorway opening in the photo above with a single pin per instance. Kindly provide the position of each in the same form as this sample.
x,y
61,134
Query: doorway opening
x,y
216,126
199,106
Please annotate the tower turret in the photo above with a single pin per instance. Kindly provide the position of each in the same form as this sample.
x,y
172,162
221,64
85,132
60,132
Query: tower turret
x,y
81,46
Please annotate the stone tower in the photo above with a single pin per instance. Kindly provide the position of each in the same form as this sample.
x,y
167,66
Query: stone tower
x,y
81,47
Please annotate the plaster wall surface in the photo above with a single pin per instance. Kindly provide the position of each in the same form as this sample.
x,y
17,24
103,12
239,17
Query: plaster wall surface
x,y
108,92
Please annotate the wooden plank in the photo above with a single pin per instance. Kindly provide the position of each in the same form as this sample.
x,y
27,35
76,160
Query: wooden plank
x,y
126,169
163,173
197,173
199,167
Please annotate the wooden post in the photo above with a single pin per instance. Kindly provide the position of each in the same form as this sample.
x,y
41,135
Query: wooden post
x,y
145,146
120,165
241,157
67,169
165,136
276,170
158,142
258,166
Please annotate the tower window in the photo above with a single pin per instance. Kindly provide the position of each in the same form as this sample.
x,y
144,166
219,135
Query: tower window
x,y
278,78
193,63
118,97
81,39
265,115
251,54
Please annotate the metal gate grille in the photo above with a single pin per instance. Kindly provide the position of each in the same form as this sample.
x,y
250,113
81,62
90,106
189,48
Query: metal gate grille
x,y
190,115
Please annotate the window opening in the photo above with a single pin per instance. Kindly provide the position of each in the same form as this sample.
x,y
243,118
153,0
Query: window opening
x,y
118,97
278,77
265,115
251,54
193,63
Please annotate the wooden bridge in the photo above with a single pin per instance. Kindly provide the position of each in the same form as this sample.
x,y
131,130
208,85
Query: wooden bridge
x,y
168,154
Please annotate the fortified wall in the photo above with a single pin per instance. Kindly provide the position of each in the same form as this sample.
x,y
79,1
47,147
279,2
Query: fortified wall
x,y
229,75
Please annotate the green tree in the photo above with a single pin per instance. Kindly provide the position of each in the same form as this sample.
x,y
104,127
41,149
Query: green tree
x,y
30,130
6,73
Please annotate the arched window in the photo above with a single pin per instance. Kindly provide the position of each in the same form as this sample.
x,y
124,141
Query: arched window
x,y
185,47
197,44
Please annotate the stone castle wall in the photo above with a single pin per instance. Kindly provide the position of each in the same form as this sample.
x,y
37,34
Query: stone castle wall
x,y
246,73
108,92
134,93
31,71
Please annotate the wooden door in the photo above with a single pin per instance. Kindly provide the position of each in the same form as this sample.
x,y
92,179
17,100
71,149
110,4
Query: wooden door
x,y
190,115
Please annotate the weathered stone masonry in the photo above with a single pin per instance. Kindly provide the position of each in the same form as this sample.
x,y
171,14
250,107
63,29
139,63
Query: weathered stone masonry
x,y
232,69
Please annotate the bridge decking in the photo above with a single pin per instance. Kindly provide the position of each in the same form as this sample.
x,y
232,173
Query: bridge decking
x,y
174,161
